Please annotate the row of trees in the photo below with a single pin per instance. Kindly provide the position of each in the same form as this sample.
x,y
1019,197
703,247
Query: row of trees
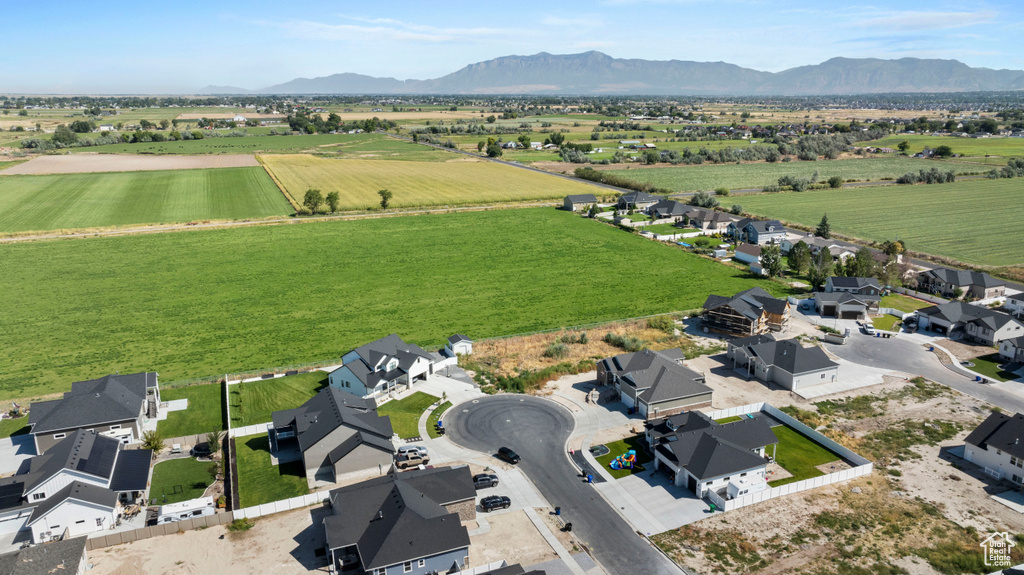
x,y
314,200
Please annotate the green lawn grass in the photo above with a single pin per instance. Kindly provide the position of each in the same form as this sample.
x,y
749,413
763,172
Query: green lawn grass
x,y
913,217
729,419
194,304
758,175
405,413
188,475
1013,147
617,448
255,402
886,322
259,481
903,303
229,145
12,427
205,411
798,455
666,229
68,201
988,365
434,416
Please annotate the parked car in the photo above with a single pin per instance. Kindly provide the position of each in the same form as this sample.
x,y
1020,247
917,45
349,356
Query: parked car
x,y
406,449
508,455
411,460
485,480
201,450
492,502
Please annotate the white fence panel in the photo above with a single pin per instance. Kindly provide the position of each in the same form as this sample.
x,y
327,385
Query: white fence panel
x,y
258,429
736,411
267,509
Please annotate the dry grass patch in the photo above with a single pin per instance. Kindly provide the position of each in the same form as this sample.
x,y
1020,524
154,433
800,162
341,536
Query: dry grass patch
x,y
90,163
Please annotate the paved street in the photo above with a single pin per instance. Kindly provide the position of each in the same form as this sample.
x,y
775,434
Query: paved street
x,y
537,429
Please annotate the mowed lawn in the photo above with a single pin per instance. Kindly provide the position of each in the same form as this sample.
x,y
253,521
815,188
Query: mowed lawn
x,y
255,402
758,175
461,181
798,455
621,447
205,411
220,301
181,479
405,413
903,303
259,480
67,201
929,218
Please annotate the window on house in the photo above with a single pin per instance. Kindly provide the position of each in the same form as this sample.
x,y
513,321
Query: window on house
x,y
60,435
80,522
407,567
1016,478
1017,462
115,427
38,496
422,563
99,522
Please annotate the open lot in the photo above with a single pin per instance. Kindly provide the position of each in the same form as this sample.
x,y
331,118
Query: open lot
x,y
405,413
204,413
181,479
69,201
221,301
84,163
1009,147
760,174
226,145
461,181
255,402
909,212
259,480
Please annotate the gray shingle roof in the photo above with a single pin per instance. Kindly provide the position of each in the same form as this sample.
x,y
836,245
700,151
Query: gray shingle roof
x,y
750,303
582,198
82,451
790,356
329,409
457,338
131,472
56,557
767,226
709,449
846,297
111,398
670,208
854,283
659,378
963,278
1000,431
960,312
376,353
76,490
638,198
749,249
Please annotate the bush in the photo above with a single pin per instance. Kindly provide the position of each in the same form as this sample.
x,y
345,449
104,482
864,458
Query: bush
x,y
721,191
663,323
557,350
736,210
240,525
628,343
835,182
771,189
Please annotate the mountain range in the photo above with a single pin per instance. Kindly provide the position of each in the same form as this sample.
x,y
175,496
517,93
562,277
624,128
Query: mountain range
x,y
595,73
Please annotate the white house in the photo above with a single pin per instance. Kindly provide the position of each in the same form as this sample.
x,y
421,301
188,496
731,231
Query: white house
x,y
748,253
1012,350
78,509
1015,304
238,118
382,367
786,363
996,446
459,344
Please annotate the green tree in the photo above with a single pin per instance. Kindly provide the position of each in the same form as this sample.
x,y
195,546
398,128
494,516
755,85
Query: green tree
x,y
903,146
493,148
524,141
146,125
736,210
82,126
164,124
214,439
835,182
861,265
824,229
153,440
893,248
771,260
491,119
943,151
64,135
385,198
555,138
313,200
799,257
479,145
651,157
332,201
820,268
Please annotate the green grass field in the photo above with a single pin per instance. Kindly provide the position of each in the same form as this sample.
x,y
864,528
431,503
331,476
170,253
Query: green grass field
x,y
758,175
181,479
11,427
205,411
260,481
920,215
68,201
416,183
433,419
1011,147
255,402
798,455
228,145
988,365
617,448
886,322
405,413
903,303
195,304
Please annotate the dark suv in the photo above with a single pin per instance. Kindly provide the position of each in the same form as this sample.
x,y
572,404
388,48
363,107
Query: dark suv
x,y
508,455
493,502
485,480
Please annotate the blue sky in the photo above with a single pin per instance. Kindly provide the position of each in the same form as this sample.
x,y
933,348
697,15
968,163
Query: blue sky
x,y
120,47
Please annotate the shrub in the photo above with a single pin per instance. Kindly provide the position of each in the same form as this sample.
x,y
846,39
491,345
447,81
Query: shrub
x,y
771,189
628,343
736,209
835,182
662,323
721,191
557,350
583,339
240,525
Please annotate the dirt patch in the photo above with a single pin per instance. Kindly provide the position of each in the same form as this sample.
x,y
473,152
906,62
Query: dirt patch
x,y
512,537
87,163
965,350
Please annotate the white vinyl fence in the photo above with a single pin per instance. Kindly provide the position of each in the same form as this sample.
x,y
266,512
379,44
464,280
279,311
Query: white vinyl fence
x,y
258,429
283,505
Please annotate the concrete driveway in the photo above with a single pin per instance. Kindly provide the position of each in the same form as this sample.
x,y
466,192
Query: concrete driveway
x,y
14,450
537,429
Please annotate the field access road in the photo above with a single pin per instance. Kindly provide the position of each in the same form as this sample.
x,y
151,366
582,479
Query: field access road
x,y
537,429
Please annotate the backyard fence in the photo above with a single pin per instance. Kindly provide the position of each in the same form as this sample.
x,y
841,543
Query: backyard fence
x,y
186,440
921,295
281,370
158,530
258,429
283,505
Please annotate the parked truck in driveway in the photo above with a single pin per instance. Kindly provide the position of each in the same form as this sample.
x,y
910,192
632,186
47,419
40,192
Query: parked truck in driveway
x,y
411,459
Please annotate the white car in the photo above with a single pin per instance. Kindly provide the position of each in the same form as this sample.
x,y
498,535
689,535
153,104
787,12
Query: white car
x,y
417,449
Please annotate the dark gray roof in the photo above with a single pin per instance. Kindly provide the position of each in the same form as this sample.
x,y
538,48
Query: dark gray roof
x,y
83,451
400,517
1016,296
109,399
56,557
854,283
582,198
790,356
963,278
1000,431
76,490
671,208
131,473
767,226
457,338
750,249
960,312
708,449
388,346
329,409
658,378
750,303
639,198
846,297
1015,341
377,353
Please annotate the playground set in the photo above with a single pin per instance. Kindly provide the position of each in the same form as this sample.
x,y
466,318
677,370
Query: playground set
x,y
625,461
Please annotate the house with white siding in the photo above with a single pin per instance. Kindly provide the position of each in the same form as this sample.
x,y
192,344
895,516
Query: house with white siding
x,y
1015,304
786,362
974,322
997,446
1012,350
382,367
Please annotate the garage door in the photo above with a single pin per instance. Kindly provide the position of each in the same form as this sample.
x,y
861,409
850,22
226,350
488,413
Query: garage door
x,y
828,310
851,315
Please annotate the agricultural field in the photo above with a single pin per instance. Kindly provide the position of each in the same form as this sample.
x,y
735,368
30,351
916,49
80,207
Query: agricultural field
x,y
221,301
68,201
1006,147
910,212
226,145
462,181
760,174
99,163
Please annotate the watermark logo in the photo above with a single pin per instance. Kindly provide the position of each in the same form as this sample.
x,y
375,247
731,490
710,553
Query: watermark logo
x,y
997,549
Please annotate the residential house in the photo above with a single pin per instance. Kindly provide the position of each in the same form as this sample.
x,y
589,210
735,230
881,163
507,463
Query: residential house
x,y
1012,350
77,487
239,119
107,128
815,244
750,312
860,286
113,405
67,557
848,297
783,362
410,522
382,367
459,344
1015,304
704,455
536,145
578,202
996,446
709,221
945,282
760,232
748,253
637,201
976,323
669,209
655,383
339,435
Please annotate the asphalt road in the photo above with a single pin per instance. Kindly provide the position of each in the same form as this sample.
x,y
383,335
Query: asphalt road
x,y
537,430
903,354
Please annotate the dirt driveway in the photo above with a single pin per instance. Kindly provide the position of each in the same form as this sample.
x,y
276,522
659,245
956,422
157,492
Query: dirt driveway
x,y
86,163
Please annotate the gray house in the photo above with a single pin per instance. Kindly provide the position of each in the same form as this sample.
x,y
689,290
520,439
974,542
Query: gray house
x,y
637,201
408,522
703,454
759,232
666,209
859,286
976,323
945,281
578,201
655,383
845,305
339,435
113,405
786,362
382,367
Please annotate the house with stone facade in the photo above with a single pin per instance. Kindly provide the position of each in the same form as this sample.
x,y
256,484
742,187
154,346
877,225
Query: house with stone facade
x,y
655,383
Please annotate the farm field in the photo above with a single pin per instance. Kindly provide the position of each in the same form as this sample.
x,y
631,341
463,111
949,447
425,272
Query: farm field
x,y
225,145
255,402
416,183
856,212
758,175
1008,147
93,163
221,301
66,201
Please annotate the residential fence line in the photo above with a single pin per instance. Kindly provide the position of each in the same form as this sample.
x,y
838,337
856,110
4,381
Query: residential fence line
x,y
157,530
186,440
921,295
282,505
248,430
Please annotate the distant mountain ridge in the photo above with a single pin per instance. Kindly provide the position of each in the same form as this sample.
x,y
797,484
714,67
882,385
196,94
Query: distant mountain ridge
x,y
595,73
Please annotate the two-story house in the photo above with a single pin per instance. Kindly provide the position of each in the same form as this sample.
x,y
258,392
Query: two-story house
x,y
655,383
1012,350
114,405
997,446
945,282
976,323
382,367
848,297
759,232
750,312
709,221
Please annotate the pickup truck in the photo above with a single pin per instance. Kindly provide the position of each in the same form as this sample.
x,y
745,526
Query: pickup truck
x,y
411,460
